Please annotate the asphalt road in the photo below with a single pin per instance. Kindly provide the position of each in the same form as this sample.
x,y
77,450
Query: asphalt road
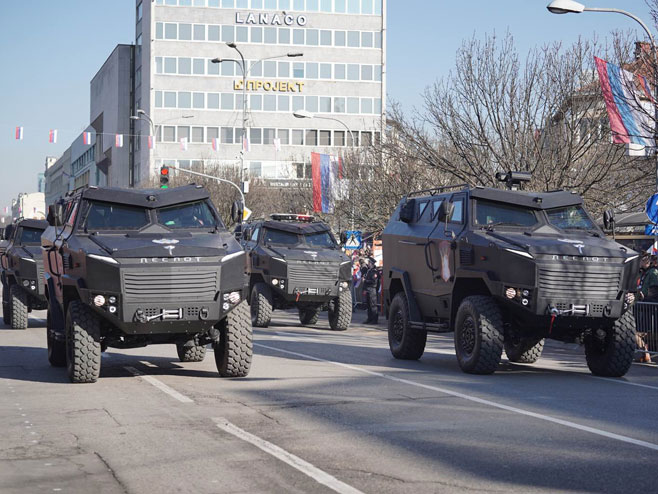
x,y
322,412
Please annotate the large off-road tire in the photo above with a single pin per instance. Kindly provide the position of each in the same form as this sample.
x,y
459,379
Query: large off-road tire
x,y
235,348
405,342
6,311
56,349
261,305
340,311
523,350
189,352
19,307
308,316
478,335
614,356
83,347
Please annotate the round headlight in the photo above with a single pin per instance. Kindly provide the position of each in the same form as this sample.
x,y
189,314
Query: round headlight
x,y
510,293
112,299
99,300
275,281
112,309
26,283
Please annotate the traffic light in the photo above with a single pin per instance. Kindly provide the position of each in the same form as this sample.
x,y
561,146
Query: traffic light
x,y
164,177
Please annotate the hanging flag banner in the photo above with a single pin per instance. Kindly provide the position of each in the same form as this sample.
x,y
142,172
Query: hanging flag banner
x,y
183,144
151,142
215,144
52,136
277,144
326,171
118,140
246,144
19,133
86,138
629,104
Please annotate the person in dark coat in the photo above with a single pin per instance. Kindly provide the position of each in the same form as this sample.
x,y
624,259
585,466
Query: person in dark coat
x,y
370,285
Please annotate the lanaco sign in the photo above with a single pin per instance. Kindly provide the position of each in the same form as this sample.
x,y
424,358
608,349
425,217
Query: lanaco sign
x,y
270,19
280,86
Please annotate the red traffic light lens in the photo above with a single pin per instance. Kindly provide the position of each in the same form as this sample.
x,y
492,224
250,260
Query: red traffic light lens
x,y
164,171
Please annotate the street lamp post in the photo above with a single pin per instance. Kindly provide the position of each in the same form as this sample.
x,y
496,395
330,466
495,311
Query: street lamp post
x,y
306,114
245,73
572,7
142,115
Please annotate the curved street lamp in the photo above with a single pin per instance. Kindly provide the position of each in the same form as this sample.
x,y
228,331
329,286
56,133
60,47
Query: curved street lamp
x,y
572,7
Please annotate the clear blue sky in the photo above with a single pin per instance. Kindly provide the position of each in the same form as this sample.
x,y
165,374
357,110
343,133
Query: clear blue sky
x,y
50,50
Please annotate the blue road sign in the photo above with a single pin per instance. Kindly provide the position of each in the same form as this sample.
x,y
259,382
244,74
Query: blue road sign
x,y
652,208
353,240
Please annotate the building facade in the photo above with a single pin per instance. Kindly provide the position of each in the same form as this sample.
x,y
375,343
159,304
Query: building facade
x,y
196,106
57,176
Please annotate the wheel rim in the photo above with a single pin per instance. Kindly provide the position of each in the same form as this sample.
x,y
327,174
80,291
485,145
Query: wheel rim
x,y
468,335
398,326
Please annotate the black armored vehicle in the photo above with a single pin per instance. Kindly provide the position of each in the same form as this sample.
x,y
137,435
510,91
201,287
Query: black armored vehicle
x,y
125,268
507,269
293,261
22,272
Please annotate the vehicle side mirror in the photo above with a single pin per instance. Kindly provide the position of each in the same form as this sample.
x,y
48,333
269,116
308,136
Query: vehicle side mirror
x,y
237,212
407,210
445,211
343,238
609,219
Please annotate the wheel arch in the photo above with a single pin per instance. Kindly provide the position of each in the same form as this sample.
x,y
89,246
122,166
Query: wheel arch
x,y
465,287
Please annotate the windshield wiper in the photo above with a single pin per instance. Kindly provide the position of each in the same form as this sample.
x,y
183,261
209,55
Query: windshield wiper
x,y
490,226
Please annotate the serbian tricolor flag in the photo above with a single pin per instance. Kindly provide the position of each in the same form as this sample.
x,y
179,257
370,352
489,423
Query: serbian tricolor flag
x,y
151,142
326,171
215,144
183,144
19,133
52,136
86,138
246,144
277,144
118,141
629,103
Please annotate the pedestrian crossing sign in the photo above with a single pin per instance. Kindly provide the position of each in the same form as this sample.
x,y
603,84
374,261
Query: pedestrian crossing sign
x,y
353,240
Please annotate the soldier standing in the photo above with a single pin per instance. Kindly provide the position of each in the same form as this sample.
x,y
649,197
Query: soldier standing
x,y
370,282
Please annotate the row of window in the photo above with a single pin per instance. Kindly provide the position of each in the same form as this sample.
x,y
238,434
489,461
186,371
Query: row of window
x,y
268,102
366,7
266,136
271,69
267,35
83,160
285,170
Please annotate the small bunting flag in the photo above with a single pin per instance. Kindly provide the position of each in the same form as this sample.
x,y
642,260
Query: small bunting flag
x,y
19,133
183,144
52,136
118,140
151,142
86,138
277,144
246,145
215,144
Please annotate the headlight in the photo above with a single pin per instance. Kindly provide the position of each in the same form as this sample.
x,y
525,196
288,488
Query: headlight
x,y
99,300
26,282
275,281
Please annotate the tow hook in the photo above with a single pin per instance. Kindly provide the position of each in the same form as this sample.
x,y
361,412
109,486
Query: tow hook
x,y
554,313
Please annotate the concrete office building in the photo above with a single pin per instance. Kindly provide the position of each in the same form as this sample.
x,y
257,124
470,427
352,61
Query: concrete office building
x,y
57,176
192,101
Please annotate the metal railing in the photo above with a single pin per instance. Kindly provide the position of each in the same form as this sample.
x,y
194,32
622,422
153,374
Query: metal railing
x,y
646,322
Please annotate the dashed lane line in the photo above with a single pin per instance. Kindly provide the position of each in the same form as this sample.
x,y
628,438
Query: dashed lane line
x,y
281,454
474,399
160,385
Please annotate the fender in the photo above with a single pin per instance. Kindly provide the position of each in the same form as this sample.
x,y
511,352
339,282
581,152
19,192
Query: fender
x,y
57,320
403,276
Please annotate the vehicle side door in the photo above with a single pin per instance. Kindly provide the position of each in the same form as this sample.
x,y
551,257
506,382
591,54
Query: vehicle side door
x,y
60,251
443,252
251,247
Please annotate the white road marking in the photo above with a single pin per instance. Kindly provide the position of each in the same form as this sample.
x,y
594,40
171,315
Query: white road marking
x,y
148,364
456,394
296,462
609,379
160,385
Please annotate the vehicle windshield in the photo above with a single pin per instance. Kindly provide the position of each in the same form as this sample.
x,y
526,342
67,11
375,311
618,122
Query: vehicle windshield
x,y
570,218
495,213
279,237
183,216
109,216
320,239
31,236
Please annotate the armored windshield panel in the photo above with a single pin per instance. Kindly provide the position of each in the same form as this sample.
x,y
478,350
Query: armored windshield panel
x,y
147,198
535,200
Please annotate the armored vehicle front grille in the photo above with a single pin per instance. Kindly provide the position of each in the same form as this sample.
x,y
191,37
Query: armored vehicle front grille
x,y
183,285
598,284
312,274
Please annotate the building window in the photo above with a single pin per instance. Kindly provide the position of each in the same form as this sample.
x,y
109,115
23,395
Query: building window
x,y
339,138
213,68
198,100
184,99
270,35
227,101
339,105
284,136
197,134
256,136
352,105
366,72
297,103
325,71
268,136
269,102
183,133
227,135
339,71
169,99
269,68
170,30
199,32
325,138
325,104
169,133
284,36
185,32
213,33
284,102
256,102
353,39
312,37
339,38
298,36
311,70
213,101
284,69
169,65
311,137
139,12
298,137
184,66
367,39
312,103
159,27
298,70
198,66
325,37
353,72
227,34
212,133
366,105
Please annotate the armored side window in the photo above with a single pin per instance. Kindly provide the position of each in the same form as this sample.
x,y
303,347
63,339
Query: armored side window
x,y
421,208
458,212
31,236
254,236
436,204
